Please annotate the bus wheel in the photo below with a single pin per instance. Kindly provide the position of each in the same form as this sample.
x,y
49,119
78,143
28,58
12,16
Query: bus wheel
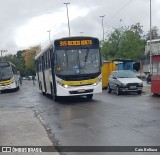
x,y
89,97
55,98
17,88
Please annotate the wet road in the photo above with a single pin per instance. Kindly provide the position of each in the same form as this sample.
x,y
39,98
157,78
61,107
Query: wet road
x,y
107,120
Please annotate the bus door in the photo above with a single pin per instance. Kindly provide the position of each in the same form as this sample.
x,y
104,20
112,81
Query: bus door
x,y
37,70
53,72
43,69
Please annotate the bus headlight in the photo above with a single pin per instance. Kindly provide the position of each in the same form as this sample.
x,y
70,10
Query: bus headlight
x,y
96,83
63,85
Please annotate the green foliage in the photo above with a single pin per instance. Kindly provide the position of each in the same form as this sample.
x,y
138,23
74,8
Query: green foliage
x,y
154,33
24,60
124,43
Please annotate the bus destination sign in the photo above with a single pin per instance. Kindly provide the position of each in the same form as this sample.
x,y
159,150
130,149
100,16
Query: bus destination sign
x,y
75,43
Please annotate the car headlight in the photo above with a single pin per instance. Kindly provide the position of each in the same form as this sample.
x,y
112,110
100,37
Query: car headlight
x,y
141,84
123,84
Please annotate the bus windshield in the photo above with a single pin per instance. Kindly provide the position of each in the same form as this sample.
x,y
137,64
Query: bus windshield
x,y
77,61
5,73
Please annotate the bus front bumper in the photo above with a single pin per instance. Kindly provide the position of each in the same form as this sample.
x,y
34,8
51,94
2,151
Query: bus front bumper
x,y
8,87
79,90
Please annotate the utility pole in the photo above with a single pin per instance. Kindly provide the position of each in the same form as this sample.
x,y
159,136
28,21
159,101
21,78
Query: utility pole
x,y
2,51
150,37
68,18
102,26
49,35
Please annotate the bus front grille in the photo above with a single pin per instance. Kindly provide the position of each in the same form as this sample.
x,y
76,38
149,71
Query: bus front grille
x,y
77,92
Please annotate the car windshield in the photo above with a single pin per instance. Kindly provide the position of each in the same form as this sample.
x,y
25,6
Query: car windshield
x,y
5,73
77,61
125,74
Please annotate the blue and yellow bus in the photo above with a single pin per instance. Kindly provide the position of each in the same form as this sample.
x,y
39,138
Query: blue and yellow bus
x,y
70,67
8,76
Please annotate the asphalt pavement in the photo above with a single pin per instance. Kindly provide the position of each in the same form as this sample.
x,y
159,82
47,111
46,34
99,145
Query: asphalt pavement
x,y
19,126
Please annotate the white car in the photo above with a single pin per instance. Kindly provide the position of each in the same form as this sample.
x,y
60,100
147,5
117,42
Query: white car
x,y
124,81
24,78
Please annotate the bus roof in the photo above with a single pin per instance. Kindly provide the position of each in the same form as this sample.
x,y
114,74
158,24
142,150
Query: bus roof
x,y
66,38
43,50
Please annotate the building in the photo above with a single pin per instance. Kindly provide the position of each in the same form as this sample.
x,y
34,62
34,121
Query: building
x,y
155,47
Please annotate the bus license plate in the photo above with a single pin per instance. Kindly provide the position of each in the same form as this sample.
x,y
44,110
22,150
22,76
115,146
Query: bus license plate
x,y
81,90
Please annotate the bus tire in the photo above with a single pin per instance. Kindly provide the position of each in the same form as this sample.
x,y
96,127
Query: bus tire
x,y
54,97
40,87
89,96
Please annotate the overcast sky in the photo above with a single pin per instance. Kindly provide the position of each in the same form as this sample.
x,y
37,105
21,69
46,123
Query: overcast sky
x,y
24,23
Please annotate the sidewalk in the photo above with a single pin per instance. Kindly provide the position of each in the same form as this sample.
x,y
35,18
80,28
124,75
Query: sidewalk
x,y
19,127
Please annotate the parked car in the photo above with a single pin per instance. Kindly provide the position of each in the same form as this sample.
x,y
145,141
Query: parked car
x,y
148,79
124,81
24,78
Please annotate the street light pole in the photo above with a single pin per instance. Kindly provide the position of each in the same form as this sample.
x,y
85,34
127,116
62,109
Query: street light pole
x,y
68,18
49,35
150,36
102,26
2,51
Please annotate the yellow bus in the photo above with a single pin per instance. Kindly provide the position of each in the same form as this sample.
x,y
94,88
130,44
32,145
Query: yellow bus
x,y
8,76
70,67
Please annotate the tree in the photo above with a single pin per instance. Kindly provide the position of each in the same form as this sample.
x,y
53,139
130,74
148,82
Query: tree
x,y
124,43
29,59
110,47
132,46
137,28
154,33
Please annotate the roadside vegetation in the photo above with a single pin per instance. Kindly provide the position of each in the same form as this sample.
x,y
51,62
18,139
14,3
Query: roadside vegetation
x,y
24,60
127,43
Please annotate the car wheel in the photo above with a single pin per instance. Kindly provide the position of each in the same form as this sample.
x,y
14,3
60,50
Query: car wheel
x,y
139,92
109,89
118,92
